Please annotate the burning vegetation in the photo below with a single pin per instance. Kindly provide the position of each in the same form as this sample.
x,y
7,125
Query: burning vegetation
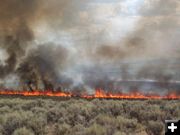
x,y
35,57
98,94
88,49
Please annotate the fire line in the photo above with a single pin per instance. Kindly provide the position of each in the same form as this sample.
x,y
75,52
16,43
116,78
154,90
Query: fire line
x,y
99,93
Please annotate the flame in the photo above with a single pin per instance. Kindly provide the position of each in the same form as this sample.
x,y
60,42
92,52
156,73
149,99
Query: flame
x,y
99,93
36,93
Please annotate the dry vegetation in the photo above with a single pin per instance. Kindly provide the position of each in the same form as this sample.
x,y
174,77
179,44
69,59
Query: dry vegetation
x,y
82,117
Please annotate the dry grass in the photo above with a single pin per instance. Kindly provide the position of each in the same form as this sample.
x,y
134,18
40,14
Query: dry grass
x,y
82,117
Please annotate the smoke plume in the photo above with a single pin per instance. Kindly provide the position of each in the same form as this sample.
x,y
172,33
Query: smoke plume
x,y
79,44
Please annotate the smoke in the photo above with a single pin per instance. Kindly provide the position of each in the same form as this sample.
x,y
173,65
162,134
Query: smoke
x,y
77,44
38,66
44,65
151,45
15,32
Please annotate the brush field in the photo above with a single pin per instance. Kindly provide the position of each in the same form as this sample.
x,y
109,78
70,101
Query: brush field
x,y
53,116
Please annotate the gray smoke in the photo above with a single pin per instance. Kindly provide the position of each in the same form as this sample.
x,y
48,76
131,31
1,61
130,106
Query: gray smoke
x,y
36,65
60,44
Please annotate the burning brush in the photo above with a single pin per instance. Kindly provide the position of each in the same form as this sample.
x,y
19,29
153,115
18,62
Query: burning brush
x,y
99,93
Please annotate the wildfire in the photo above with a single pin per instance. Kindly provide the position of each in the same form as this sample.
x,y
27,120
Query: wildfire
x,y
134,95
98,94
36,93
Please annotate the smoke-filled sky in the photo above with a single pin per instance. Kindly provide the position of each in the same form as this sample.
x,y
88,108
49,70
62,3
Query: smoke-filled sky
x,y
88,43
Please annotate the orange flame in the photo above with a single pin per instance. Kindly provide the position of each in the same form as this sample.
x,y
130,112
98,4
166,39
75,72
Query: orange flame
x,y
134,95
36,93
99,93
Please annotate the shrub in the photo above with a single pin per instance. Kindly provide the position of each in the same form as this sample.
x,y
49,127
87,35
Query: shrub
x,y
37,124
95,129
12,122
54,114
23,131
77,130
119,133
1,130
63,129
85,117
154,128
5,109
128,125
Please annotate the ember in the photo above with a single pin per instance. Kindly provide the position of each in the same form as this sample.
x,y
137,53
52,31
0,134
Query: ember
x,y
99,93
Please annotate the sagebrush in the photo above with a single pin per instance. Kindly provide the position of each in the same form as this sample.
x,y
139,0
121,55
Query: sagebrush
x,y
85,117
